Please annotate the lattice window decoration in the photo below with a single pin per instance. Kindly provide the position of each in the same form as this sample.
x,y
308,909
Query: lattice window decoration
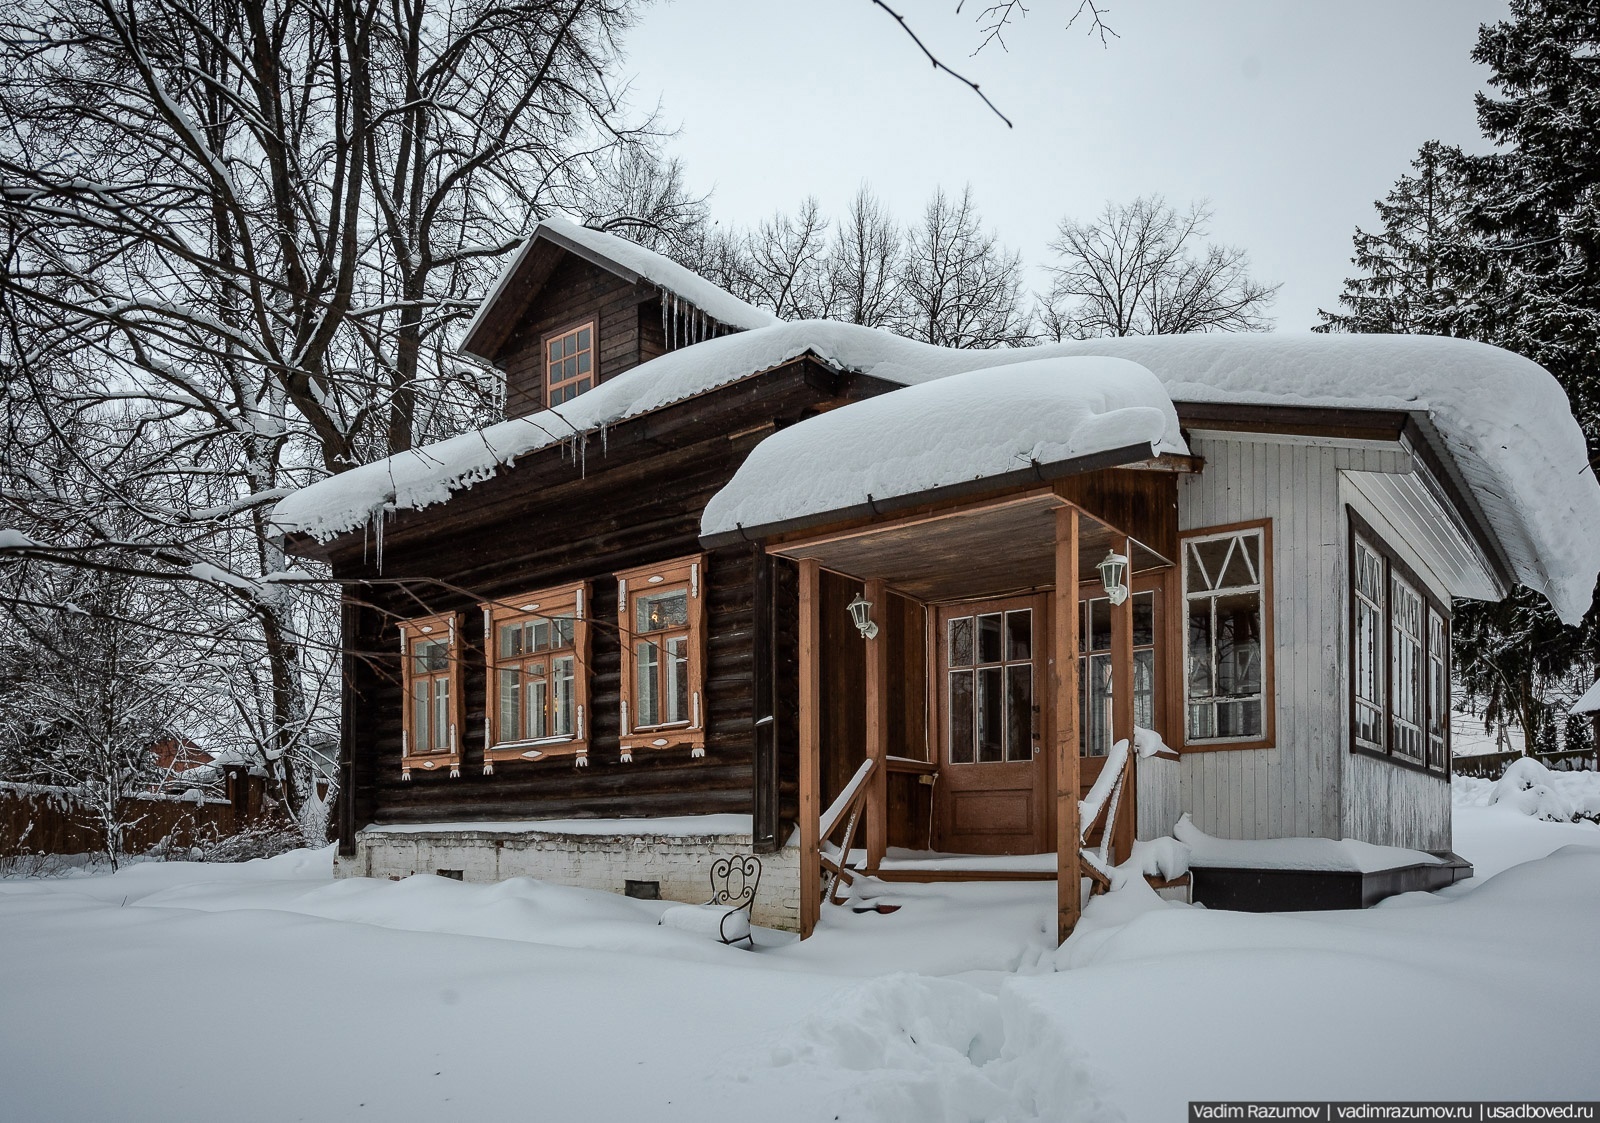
x,y
661,613
538,676
1227,649
430,665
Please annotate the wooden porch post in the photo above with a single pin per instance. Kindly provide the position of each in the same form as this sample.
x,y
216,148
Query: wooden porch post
x,y
810,746
1122,700
877,684
1069,886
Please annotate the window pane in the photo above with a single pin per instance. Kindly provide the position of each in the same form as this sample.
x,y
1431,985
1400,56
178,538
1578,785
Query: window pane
x,y
569,344
677,692
1144,619
960,717
561,394
441,714
1019,712
509,680
1207,560
563,707
1438,687
433,655
654,612
583,339
510,640
1239,719
1202,721
1199,650
961,642
991,714
538,635
989,638
583,363
538,706
1240,573
569,369
1238,668
1406,670
555,350
647,658
1019,635
421,728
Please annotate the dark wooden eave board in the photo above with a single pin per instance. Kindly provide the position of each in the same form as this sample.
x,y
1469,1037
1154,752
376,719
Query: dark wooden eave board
x,y
781,395
1035,473
535,262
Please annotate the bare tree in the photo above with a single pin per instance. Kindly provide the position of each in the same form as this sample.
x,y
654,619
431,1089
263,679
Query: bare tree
x,y
786,262
864,266
961,287
1141,268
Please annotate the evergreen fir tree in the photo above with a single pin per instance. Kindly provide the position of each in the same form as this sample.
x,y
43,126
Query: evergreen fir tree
x,y
1505,248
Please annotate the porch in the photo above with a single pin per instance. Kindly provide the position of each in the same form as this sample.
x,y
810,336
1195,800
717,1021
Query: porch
x,y
955,708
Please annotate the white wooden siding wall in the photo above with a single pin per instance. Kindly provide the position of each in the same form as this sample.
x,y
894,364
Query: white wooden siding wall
x,y
1157,795
1292,789
1394,806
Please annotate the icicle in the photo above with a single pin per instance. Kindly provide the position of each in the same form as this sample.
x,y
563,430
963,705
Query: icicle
x,y
665,335
377,534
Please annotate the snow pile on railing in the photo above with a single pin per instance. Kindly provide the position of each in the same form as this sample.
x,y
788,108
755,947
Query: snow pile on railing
x,y
969,426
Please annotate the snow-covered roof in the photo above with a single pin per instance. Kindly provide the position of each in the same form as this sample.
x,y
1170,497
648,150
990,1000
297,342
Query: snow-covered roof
x,y
1504,420
633,262
1590,702
974,425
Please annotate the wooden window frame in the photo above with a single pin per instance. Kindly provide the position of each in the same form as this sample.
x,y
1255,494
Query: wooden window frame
x,y
410,632
1269,649
540,604
690,574
1394,567
593,324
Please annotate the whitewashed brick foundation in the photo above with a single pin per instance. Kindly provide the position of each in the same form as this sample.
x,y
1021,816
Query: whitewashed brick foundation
x,y
681,863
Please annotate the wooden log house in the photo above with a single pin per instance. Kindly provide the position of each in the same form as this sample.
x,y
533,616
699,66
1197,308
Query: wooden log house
x,y
712,563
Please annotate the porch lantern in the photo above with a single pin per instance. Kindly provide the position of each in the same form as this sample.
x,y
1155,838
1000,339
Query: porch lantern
x,y
1114,576
861,614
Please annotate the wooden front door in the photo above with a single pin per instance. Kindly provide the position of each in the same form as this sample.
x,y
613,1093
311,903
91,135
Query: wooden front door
x,y
991,678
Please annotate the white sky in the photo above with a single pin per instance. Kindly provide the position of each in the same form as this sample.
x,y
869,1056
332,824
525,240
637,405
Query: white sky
x,y
1290,116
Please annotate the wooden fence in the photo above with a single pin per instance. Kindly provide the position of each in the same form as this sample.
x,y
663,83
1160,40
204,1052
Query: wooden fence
x,y
37,819
1491,766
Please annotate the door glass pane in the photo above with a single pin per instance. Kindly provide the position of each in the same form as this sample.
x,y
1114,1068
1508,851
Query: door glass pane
x,y
1019,712
989,626
991,713
1144,689
1100,624
961,724
1144,619
961,642
1019,635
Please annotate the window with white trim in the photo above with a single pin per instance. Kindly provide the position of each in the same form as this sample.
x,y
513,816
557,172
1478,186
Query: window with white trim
x,y
1227,642
1400,658
430,668
538,675
661,612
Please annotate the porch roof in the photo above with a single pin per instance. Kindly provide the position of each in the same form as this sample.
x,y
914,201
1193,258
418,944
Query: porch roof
x,y
982,429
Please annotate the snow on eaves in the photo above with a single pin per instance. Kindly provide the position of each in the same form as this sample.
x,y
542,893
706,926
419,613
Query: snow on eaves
x,y
1504,420
968,426
660,271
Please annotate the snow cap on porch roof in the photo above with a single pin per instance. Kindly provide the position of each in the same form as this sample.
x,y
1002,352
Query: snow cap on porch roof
x,y
1590,702
1005,423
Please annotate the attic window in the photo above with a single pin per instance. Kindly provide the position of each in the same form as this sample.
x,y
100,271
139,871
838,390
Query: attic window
x,y
569,363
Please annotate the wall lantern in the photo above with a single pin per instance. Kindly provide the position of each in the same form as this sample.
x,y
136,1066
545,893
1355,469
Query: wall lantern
x,y
1114,576
861,613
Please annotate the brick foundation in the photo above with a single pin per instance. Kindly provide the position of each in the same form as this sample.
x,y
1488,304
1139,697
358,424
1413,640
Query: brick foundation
x,y
680,863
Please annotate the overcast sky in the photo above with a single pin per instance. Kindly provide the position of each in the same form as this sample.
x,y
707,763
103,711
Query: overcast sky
x,y
1290,117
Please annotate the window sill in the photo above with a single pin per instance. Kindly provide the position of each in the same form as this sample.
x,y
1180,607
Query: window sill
x,y
1400,762
664,737
430,762
536,750
1226,746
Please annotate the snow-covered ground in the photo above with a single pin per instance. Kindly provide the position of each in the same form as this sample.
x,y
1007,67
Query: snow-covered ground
x,y
269,991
